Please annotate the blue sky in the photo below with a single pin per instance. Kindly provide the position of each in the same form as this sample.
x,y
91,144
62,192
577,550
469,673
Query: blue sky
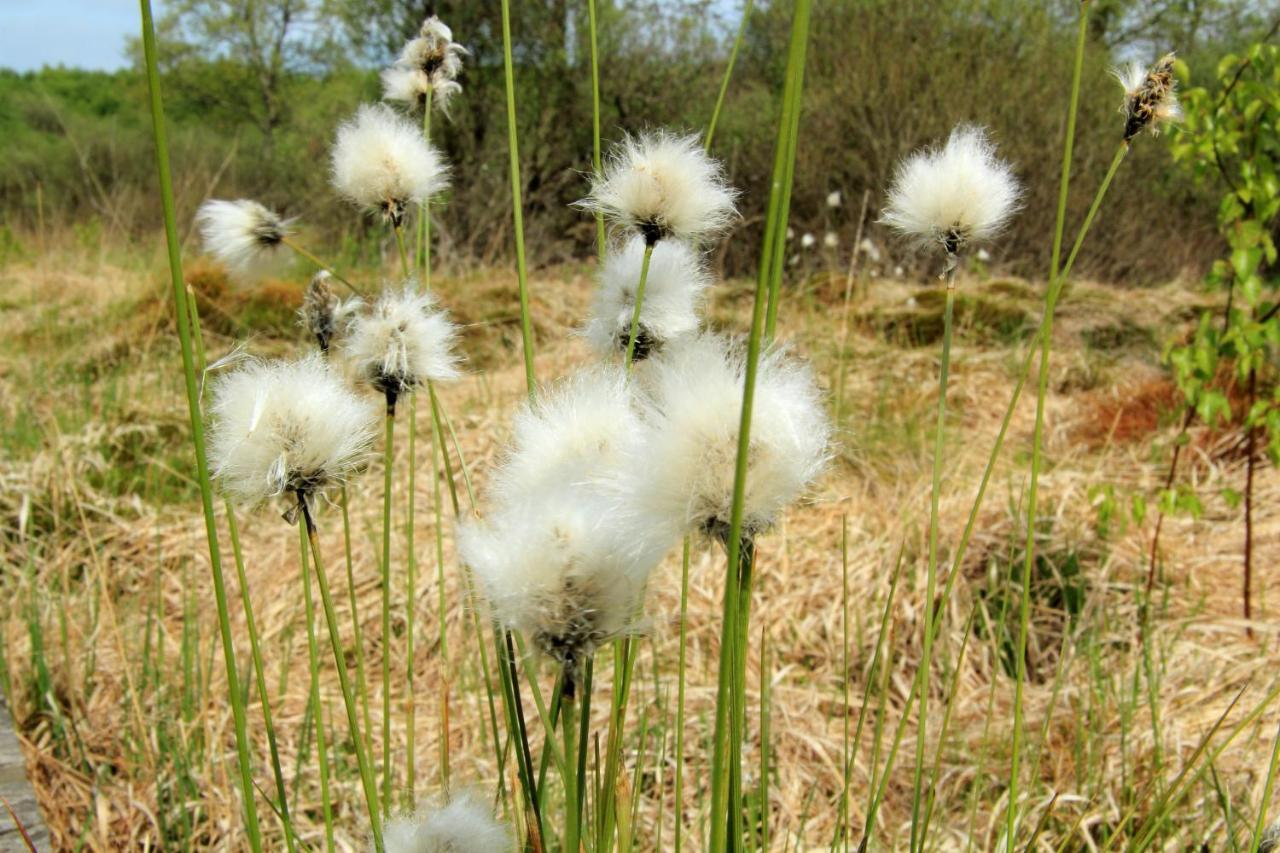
x,y
76,33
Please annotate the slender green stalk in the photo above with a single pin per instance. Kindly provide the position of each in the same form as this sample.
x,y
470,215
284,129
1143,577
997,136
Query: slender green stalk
x,y
635,314
766,714
252,827
1033,493
1260,826
388,454
595,119
584,726
738,694
260,677
931,581
313,660
405,269
424,214
728,74
684,630
790,131
572,805
846,757
946,724
344,679
295,246
437,448
517,205
411,597
362,684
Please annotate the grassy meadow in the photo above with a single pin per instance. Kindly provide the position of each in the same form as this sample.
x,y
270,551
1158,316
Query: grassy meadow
x,y
677,477
110,644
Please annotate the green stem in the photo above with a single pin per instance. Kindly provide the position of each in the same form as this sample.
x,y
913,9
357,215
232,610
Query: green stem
x,y
313,661
572,805
635,313
424,211
595,120
931,582
1033,494
738,697
259,674
197,426
728,74
788,136
362,683
517,205
388,453
405,269
1260,826
321,264
684,629
344,679
411,580
438,447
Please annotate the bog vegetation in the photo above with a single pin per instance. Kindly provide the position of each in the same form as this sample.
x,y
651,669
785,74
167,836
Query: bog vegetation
x,y
745,543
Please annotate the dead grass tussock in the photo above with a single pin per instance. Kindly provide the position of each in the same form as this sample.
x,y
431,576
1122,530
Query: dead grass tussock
x,y
103,764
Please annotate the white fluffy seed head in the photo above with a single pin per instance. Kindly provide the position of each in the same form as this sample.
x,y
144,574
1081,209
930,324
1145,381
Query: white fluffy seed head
x,y
382,162
834,199
244,235
662,185
428,65
576,431
1150,96
831,240
685,469
402,342
951,196
808,241
561,557
673,294
465,825
286,427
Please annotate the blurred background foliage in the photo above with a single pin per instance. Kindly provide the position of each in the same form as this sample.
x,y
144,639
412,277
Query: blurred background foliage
x,y
255,88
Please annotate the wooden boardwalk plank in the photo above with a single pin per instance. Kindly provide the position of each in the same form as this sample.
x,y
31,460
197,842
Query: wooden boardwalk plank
x,y
15,788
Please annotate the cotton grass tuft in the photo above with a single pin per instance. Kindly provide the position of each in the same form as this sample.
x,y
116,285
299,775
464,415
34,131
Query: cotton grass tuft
x,y
684,471
465,825
286,427
955,195
661,185
244,235
401,343
428,66
382,162
1151,99
672,298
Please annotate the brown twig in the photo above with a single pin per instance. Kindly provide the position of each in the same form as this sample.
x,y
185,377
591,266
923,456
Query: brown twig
x,y
1250,439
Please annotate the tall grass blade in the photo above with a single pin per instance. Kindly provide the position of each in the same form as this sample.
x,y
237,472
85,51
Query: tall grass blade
x,y
313,663
197,425
728,74
517,204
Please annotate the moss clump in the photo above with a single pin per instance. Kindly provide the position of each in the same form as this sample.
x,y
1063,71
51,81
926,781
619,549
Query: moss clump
x,y
978,318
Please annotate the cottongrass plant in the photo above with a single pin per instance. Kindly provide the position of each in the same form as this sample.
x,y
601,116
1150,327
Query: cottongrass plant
x,y
244,235
560,557
403,342
947,199
426,72
382,163
661,186
675,286
323,315
463,825
293,430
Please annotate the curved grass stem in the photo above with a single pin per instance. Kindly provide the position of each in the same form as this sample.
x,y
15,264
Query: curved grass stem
x,y
635,314
301,250
313,662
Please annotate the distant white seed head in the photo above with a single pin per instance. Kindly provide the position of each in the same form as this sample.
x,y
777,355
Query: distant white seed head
x,y
685,469
673,294
955,195
661,185
562,558
382,162
808,241
791,233
870,249
402,342
286,427
465,825
983,255
245,236
1150,96
831,240
428,65
834,199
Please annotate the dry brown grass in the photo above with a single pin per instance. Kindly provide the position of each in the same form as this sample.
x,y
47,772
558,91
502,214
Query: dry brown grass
x,y
94,562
